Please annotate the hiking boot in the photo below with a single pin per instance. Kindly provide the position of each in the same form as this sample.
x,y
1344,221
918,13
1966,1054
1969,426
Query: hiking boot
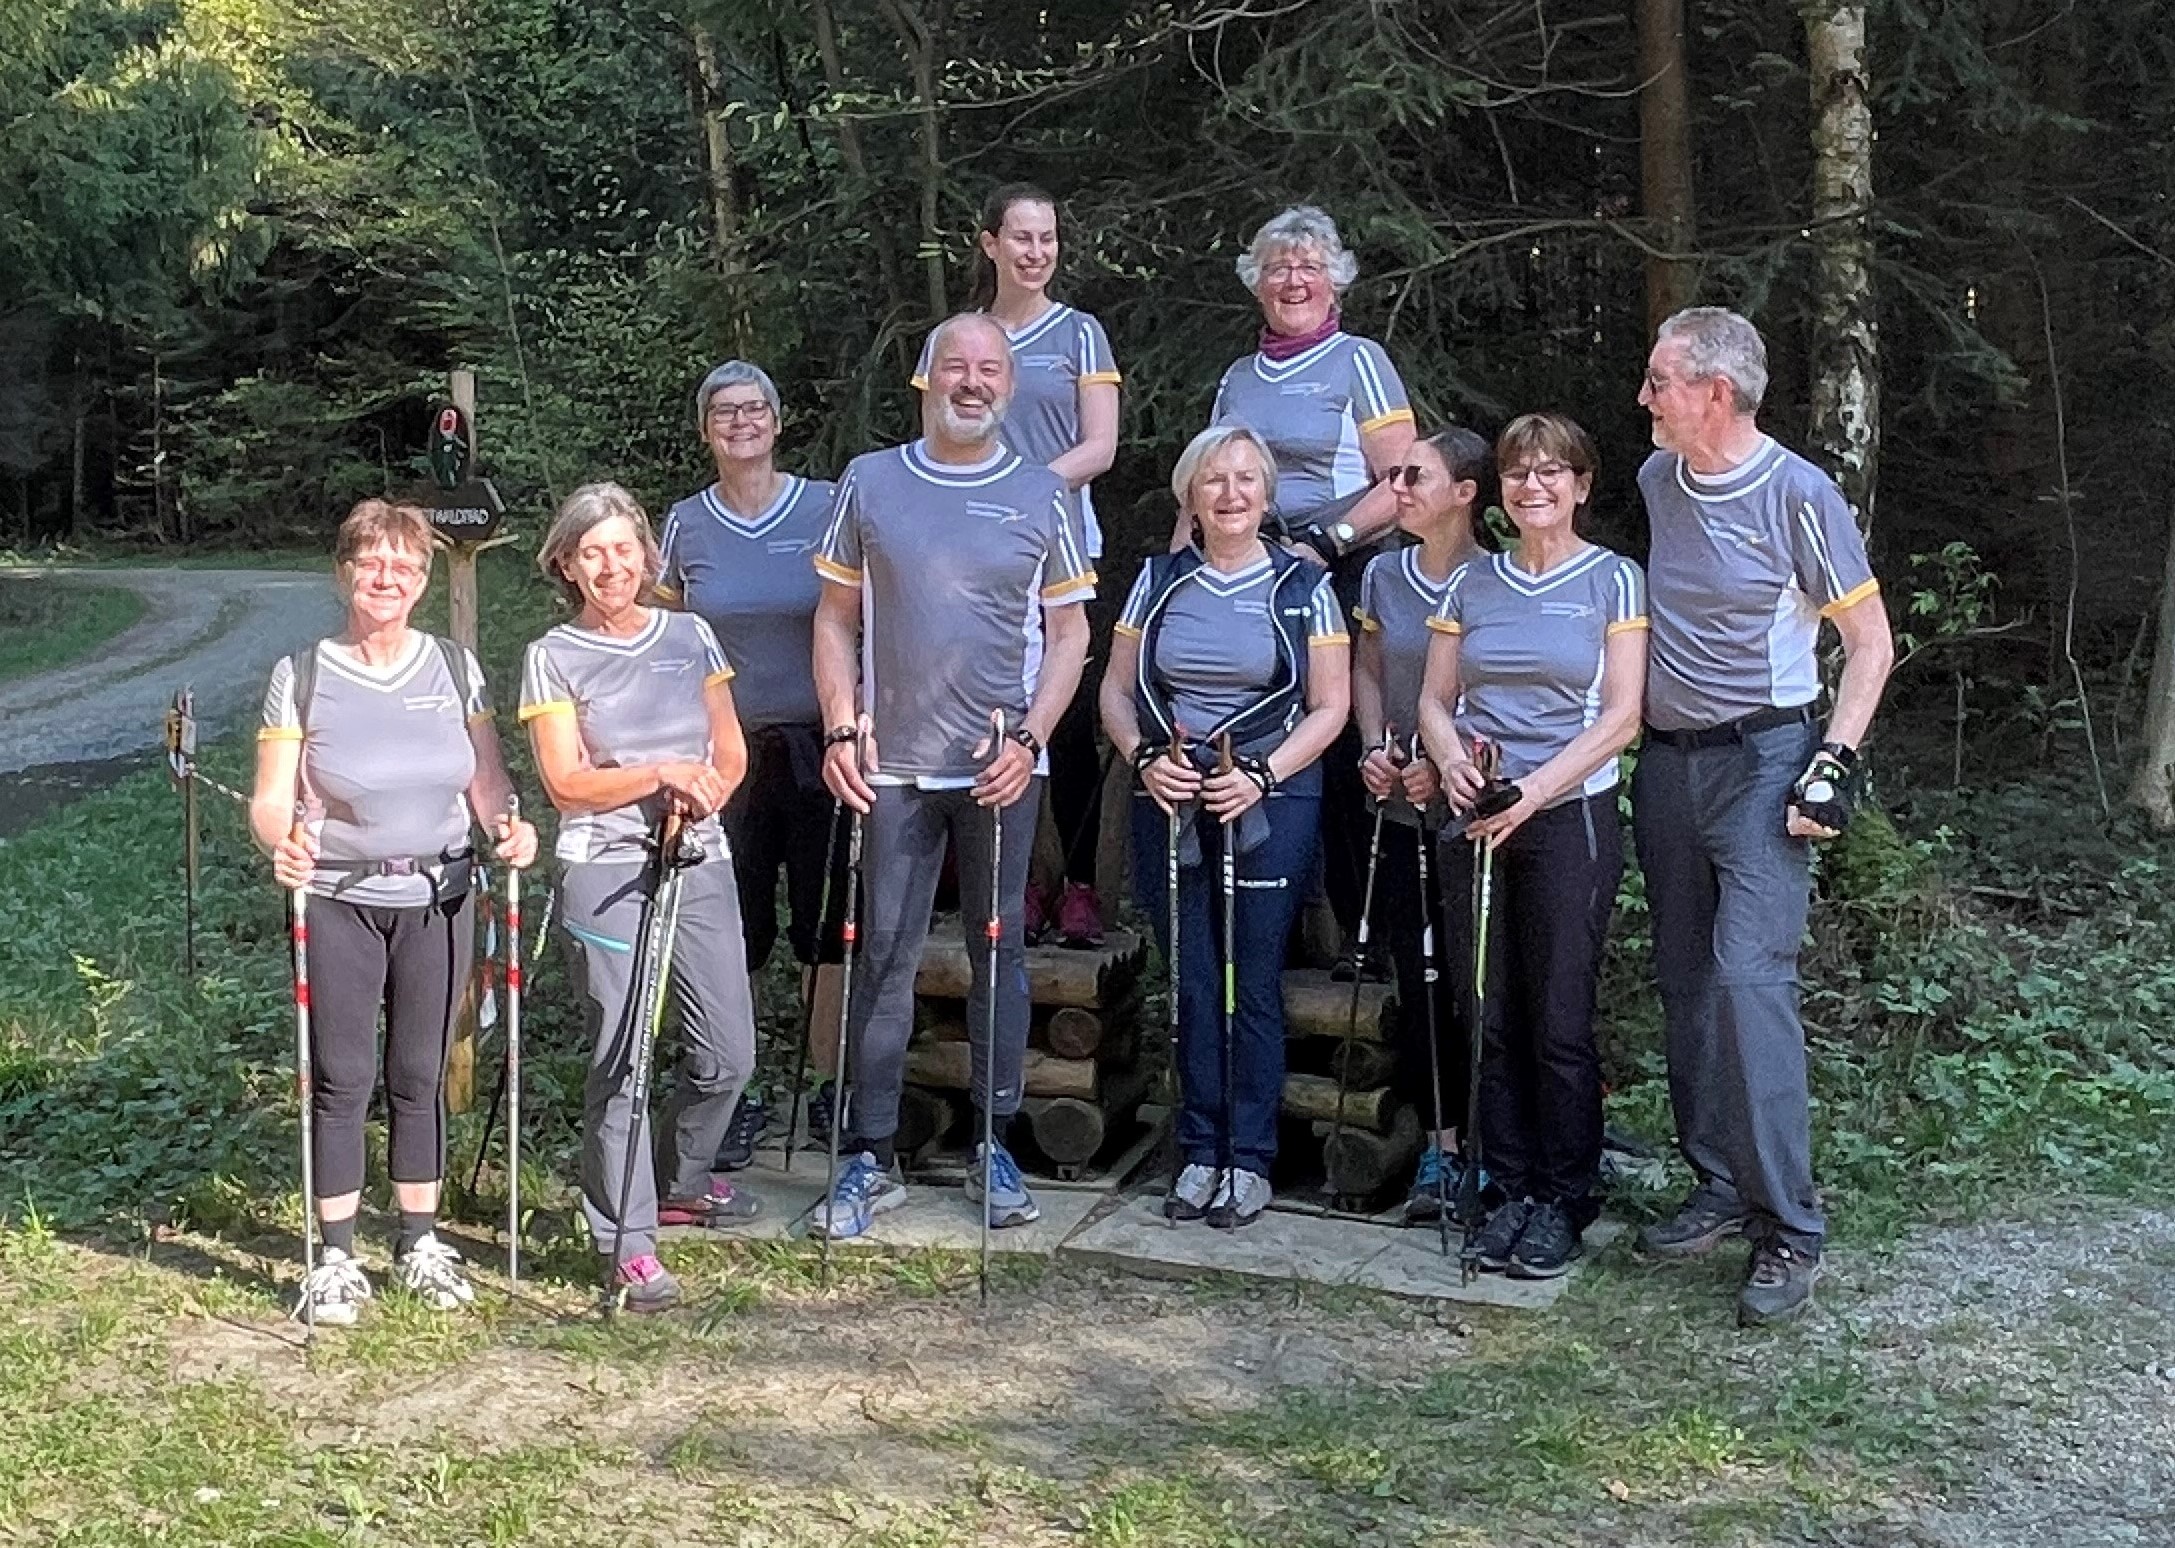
x,y
718,1210
643,1287
1699,1227
1778,1284
1241,1196
333,1294
821,1104
1193,1190
1079,917
431,1271
1010,1204
864,1190
1547,1244
751,1120
1491,1246
1435,1187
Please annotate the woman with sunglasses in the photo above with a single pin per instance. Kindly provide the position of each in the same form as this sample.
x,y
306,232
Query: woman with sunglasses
x,y
1541,652
1441,489
738,554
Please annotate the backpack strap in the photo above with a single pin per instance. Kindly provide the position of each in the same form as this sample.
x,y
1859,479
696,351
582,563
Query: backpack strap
x,y
304,685
456,660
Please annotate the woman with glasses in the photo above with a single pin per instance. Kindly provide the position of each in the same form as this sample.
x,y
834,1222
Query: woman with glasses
x,y
376,759
1441,489
738,554
1333,412
1541,653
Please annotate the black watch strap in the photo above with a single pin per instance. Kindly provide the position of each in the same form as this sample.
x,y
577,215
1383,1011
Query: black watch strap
x,y
1026,739
838,736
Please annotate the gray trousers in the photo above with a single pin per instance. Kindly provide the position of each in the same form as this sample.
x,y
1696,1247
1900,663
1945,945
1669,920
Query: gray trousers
x,y
1729,891
902,856
600,910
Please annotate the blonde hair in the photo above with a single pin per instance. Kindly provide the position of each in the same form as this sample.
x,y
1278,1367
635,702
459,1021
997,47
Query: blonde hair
x,y
381,521
1204,446
580,513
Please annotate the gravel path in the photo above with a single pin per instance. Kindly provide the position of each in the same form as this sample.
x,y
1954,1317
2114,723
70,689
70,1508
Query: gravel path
x,y
218,631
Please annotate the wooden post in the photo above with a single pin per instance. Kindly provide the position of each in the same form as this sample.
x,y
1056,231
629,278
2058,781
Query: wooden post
x,y
461,624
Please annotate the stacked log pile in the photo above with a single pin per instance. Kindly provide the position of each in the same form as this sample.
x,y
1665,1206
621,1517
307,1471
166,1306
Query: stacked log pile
x,y
1379,1141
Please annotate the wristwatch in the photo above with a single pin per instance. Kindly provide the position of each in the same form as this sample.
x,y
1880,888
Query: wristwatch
x,y
1027,739
838,736
1344,535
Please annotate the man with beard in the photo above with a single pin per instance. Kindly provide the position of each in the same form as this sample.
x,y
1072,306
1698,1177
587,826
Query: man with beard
x,y
955,592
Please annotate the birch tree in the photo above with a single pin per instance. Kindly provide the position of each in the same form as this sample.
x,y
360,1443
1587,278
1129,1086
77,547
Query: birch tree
x,y
1845,324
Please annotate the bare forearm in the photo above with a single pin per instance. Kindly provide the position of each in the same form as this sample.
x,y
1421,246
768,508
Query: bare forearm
x,y
1062,664
1308,740
1375,513
1083,464
1857,696
575,791
1367,711
1600,743
838,684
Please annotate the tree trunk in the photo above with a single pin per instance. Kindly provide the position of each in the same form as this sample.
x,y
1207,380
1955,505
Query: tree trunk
x,y
849,147
725,245
2154,787
1846,334
920,41
1665,159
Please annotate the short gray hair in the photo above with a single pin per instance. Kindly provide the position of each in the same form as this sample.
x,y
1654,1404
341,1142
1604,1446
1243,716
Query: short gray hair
x,y
579,514
734,373
1301,226
1719,342
1211,441
952,324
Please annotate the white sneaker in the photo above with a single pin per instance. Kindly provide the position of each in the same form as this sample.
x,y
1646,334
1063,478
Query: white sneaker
x,y
431,1271
1241,1196
1191,1195
333,1294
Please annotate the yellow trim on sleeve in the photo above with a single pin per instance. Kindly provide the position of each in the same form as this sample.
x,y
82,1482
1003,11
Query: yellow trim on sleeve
x,y
1101,379
1079,583
1367,624
715,678
1628,625
1401,416
1851,598
1339,638
1125,629
1445,626
549,707
832,570
279,734
918,382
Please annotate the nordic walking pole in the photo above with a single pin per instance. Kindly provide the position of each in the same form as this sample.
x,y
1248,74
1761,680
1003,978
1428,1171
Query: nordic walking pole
x,y
1424,845
989,1030
298,902
1229,858
808,1017
849,939
1359,962
648,1007
513,1054
1170,880
1485,758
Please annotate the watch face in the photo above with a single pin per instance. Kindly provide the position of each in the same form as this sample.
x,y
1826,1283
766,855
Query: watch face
x,y
1345,531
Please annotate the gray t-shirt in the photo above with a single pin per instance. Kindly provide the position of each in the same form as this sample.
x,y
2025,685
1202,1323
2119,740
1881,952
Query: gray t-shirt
x,y
1217,645
635,701
1531,650
1312,410
749,578
386,763
1396,600
954,565
1053,357
1743,567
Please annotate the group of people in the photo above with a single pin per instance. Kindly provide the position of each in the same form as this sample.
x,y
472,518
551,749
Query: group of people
x,y
903,650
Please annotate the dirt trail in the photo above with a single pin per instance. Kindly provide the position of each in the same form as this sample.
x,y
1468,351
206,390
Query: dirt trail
x,y
218,631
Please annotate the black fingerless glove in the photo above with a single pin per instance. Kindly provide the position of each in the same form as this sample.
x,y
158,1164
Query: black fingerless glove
x,y
1827,792
1257,770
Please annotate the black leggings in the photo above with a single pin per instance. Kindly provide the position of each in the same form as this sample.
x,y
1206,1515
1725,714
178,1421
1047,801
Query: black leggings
x,y
1397,921
411,963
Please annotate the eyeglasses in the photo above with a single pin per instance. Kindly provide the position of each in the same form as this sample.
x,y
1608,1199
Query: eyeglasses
x,y
1409,475
732,413
401,572
1540,473
1277,273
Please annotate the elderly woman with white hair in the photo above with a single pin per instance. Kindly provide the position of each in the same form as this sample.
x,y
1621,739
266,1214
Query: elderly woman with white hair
x,y
737,554
1228,643
630,712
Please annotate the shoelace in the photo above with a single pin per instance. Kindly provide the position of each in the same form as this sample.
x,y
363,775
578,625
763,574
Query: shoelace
x,y
1004,1172
341,1281
432,1260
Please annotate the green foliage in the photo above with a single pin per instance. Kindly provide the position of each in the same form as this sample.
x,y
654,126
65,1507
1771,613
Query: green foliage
x,y
45,625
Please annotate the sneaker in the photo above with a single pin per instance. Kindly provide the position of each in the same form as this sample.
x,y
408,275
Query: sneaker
x,y
1435,1186
1241,1196
333,1294
718,1210
751,1120
1491,1246
821,1102
1547,1244
642,1286
1699,1227
1010,1204
1079,916
864,1190
1778,1284
1190,1194
1038,914
431,1271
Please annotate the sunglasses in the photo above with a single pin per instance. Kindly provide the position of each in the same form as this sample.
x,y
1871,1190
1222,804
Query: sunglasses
x,y
1409,475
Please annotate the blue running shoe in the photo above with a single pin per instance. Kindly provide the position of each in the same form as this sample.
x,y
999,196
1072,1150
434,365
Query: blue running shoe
x,y
1010,1204
1440,1177
864,1191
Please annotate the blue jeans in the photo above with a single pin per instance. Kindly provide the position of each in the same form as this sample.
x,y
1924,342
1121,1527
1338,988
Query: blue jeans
x,y
1271,886
1729,891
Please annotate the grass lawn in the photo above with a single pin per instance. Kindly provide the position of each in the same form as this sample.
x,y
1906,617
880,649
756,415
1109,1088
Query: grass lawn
x,y
46,624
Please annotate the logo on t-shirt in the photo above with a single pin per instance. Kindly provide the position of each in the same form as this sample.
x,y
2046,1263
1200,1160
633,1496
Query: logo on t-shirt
x,y
991,512
1303,389
789,545
427,701
673,668
1566,610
